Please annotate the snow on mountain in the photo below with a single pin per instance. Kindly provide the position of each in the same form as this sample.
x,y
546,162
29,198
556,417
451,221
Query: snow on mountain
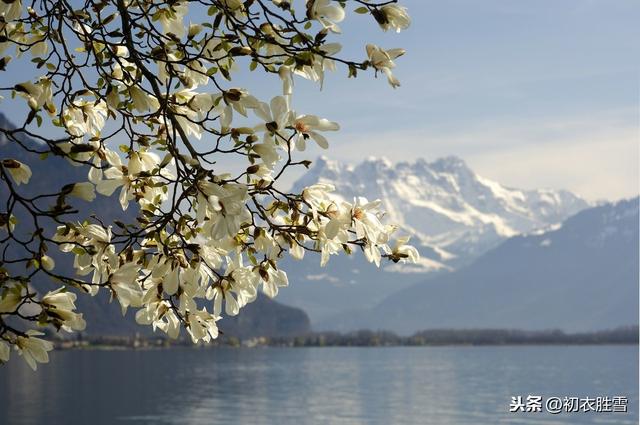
x,y
449,209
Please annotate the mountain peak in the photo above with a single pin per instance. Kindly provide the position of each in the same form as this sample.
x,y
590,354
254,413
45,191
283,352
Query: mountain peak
x,y
373,167
324,163
443,202
449,163
379,161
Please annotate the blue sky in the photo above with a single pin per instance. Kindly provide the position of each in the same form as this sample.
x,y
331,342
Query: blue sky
x,y
530,93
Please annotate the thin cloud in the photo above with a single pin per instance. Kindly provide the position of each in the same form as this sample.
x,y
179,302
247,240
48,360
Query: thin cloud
x,y
595,158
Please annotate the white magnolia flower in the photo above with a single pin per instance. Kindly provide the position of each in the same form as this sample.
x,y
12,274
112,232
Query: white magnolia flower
x,y
195,74
84,117
360,217
84,191
171,281
82,31
20,173
38,94
403,252
372,254
10,297
276,115
122,69
365,220
194,29
97,234
34,350
267,245
142,161
239,100
160,315
39,46
61,305
268,151
320,63
10,10
225,205
8,222
211,50
233,4
169,323
93,250
191,107
318,194
327,12
168,67
340,219
47,262
306,126
142,101
287,80
171,18
202,326
236,290
5,352
395,17
264,172
382,60
117,175
272,281
124,282
211,255
225,294
113,99
297,250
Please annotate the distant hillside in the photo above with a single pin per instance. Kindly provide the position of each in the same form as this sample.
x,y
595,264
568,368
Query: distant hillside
x,y
262,318
582,276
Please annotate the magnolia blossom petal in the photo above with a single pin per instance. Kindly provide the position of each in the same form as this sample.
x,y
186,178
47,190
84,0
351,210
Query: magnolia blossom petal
x,y
19,172
5,352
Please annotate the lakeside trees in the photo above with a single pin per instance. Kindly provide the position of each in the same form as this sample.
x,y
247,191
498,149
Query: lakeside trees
x,y
141,93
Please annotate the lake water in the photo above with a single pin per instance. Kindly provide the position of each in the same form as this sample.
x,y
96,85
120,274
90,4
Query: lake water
x,y
404,385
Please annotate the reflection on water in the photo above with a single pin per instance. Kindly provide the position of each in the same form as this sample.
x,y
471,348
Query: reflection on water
x,y
452,385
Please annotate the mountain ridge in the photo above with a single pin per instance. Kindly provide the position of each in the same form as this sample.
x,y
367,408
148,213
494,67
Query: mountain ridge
x,y
582,276
443,203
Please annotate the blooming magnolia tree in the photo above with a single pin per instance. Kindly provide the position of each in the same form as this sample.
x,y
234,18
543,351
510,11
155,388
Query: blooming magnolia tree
x,y
145,101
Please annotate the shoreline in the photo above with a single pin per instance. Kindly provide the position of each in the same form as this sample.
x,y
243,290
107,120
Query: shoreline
x,y
241,347
366,338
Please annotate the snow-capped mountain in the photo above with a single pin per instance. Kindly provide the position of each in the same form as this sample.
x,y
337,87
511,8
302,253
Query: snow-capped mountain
x,y
444,204
453,214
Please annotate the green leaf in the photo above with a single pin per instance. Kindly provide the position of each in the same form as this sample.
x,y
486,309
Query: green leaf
x,y
361,10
